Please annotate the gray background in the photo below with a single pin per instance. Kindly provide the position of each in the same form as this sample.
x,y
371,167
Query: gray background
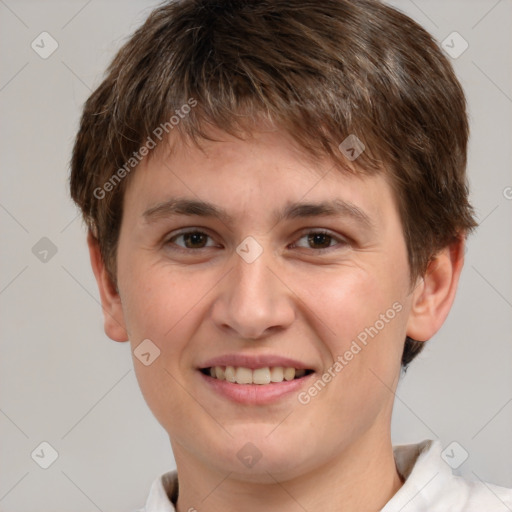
x,y
63,381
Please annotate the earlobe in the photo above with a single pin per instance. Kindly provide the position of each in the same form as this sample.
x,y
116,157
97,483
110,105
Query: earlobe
x,y
114,324
434,295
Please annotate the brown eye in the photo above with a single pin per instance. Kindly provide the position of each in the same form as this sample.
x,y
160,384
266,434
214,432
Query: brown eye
x,y
320,241
190,240
195,239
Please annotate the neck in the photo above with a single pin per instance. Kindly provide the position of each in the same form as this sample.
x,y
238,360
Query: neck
x,y
362,477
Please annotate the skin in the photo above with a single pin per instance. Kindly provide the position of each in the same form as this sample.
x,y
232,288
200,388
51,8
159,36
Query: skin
x,y
335,452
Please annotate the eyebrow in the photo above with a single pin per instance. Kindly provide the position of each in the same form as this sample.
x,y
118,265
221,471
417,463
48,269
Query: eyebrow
x,y
193,207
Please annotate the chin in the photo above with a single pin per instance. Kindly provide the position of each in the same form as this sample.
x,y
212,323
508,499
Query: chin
x,y
261,460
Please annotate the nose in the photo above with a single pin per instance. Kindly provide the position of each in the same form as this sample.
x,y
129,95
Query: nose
x,y
253,300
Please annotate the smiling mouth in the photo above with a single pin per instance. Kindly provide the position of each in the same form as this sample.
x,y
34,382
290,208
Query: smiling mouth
x,y
261,376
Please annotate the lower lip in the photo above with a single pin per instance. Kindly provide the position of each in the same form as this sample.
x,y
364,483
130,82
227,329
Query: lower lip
x,y
256,394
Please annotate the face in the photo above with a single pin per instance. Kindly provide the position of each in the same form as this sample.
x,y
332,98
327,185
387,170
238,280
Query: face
x,y
305,267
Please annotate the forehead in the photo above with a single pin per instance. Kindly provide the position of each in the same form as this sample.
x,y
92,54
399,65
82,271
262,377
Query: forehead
x,y
264,172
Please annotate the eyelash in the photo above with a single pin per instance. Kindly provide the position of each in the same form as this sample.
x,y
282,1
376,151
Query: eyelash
x,y
341,240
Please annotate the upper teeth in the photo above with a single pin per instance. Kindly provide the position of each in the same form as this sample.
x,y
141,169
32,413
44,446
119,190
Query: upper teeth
x,y
266,375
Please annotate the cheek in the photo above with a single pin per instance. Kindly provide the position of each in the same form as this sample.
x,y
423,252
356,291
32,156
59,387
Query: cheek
x,y
345,301
360,317
160,306
155,296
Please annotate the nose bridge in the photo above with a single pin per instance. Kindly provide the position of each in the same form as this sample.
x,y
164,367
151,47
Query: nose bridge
x,y
253,300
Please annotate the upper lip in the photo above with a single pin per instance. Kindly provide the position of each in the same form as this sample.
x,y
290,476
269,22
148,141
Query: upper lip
x,y
254,361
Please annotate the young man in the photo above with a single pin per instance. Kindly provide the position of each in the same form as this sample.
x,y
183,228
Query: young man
x,y
277,207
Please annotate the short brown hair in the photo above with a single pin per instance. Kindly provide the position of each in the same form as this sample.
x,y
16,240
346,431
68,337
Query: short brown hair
x,y
321,70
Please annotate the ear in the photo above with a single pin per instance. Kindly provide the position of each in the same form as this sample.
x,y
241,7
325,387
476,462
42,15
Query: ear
x,y
434,294
114,324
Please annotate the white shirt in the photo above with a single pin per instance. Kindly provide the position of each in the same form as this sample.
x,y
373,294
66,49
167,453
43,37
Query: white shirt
x,y
430,486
